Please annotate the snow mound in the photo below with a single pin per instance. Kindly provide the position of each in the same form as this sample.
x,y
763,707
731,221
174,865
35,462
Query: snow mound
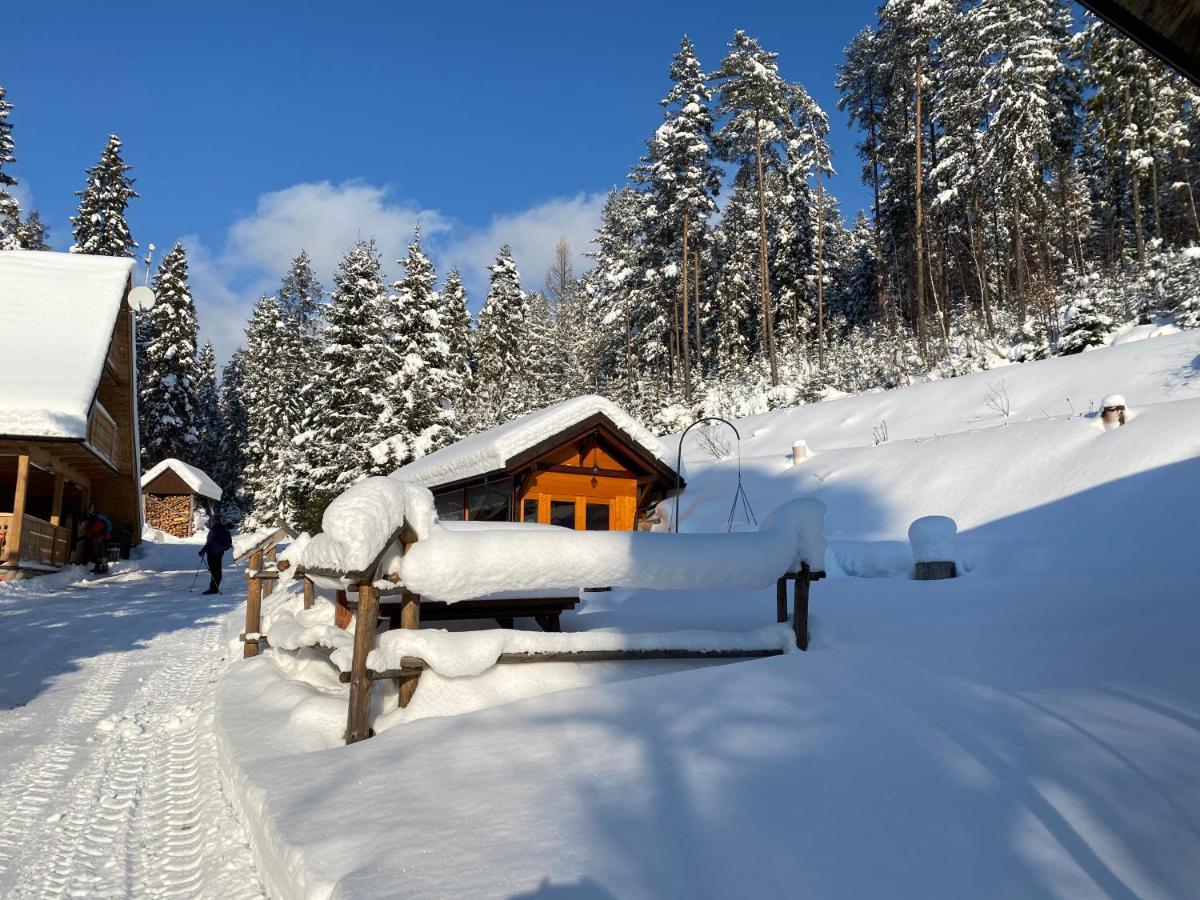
x,y
62,307
455,564
464,654
932,538
1112,400
360,523
489,451
196,479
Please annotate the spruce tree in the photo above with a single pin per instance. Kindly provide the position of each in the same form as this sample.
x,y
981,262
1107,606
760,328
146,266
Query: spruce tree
x,y
501,342
348,408
456,327
99,226
208,410
168,410
10,212
1087,326
229,467
300,295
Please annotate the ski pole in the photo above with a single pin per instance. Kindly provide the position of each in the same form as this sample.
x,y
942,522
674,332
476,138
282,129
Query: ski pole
x,y
197,575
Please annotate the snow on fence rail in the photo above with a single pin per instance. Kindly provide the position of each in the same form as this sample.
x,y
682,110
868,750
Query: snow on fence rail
x,y
382,538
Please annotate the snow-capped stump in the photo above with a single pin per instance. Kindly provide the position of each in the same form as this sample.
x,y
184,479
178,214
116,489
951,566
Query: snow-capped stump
x,y
800,451
932,539
1112,411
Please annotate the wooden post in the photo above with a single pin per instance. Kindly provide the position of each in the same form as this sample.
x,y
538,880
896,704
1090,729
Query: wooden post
x,y
342,613
410,617
781,600
271,552
800,616
357,718
253,605
308,593
18,514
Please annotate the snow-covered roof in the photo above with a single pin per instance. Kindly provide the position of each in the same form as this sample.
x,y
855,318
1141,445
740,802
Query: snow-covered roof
x,y
57,312
194,478
491,450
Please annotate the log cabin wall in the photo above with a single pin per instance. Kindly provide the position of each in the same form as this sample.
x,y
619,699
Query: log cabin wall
x,y
118,494
582,486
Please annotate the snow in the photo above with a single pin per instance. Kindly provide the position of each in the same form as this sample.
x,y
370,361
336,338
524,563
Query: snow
x,y
360,523
63,307
193,477
489,451
1024,730
455,564
456,655
1111,400
932,539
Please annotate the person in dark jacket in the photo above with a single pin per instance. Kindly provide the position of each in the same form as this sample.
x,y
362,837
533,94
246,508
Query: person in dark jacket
x,y
219,540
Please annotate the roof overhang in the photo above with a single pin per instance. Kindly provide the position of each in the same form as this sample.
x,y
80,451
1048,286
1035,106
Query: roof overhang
x,y
1170,29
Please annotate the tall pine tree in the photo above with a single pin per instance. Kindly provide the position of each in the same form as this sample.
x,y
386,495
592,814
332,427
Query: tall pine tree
x,y
99,226
169,409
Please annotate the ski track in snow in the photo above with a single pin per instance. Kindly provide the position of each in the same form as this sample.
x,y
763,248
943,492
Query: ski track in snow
x,y
118,793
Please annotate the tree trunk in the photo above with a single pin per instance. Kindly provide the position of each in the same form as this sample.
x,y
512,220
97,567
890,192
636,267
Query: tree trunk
x,y
1187,179
696,312
919,309
1154,197
820,274
685,336
768,335
1136,186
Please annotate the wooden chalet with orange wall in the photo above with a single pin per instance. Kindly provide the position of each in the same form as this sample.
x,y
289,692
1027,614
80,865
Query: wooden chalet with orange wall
x,y
583,464
68,416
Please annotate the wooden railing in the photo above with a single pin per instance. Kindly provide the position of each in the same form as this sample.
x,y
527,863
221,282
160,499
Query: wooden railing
x,y
103,435
43,543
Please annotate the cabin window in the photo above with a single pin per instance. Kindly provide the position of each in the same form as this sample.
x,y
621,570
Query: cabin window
x,y
562,513
529,511
596,518
449,506
490,502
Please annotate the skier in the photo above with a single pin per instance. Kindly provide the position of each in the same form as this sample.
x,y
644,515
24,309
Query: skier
x,y
219,540
97,529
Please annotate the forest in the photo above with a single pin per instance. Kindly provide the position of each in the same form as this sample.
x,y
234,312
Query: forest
x,y
1032,194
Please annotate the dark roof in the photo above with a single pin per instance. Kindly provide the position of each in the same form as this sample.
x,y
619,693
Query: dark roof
x,y
1170,29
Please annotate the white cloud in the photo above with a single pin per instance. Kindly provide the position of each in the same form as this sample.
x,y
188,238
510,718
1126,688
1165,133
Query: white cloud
x,y
533,234
326,219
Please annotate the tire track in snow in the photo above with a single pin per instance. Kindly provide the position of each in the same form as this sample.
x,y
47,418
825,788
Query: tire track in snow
x,y
143,814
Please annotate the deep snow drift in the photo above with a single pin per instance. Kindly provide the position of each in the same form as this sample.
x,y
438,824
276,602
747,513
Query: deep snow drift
x,y
1029,729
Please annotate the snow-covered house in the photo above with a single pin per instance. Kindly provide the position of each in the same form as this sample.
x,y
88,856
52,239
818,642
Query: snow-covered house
x,y
68,415
176,495
583,463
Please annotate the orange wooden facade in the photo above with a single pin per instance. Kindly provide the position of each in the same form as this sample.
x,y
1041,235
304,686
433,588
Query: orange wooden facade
x,y
589,478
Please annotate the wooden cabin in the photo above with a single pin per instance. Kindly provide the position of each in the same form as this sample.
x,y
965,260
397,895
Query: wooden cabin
x,y
68,420
175,494
583,464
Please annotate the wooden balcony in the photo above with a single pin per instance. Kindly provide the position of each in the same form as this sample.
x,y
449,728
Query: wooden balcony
x,y
103,436
42,544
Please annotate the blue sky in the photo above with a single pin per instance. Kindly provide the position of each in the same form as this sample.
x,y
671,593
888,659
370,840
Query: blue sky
x,y
257,128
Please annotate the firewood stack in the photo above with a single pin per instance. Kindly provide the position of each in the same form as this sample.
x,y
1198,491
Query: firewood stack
x,y
171,513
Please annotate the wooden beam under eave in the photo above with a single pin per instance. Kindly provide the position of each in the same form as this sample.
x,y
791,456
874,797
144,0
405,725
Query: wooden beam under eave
x,y
1170,29
13,545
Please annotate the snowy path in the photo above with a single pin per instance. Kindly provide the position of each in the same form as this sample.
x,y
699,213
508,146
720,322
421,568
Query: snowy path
x,y
107,754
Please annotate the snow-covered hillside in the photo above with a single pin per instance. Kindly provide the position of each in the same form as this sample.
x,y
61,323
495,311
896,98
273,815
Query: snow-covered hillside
x,y
1029,729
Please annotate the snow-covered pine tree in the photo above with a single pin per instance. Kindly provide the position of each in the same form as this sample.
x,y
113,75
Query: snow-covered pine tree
x,y
300,295
167,367
754,101
99,226
31,234
10,211
456,325
346,403
1088,325
270,395
426,385
230,464
735,318
502,342
208,410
